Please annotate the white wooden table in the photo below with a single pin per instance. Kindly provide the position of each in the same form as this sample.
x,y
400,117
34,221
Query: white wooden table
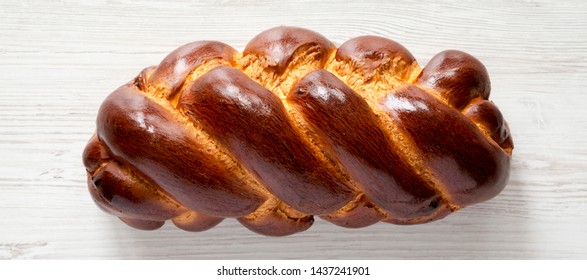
x,y
59,60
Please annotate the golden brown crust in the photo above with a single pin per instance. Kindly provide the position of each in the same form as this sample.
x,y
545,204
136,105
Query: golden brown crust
x,y
360,212
276,219
195,221
456,77
348,125
230,106
372,55
142,135
277,46
294,127
490,121
470,168
172,72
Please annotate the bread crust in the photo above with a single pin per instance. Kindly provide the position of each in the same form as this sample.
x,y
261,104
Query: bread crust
x,y
293,128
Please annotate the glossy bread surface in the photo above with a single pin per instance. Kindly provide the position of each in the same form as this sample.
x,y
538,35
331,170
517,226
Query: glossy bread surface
x,y
293,128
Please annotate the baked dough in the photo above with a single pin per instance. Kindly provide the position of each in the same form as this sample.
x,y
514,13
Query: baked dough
x,y
293,128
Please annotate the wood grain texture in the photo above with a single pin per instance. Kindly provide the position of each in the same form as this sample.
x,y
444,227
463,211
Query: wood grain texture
x,y
59,60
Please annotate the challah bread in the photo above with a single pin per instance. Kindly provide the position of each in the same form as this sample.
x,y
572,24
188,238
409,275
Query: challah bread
x,y
294,127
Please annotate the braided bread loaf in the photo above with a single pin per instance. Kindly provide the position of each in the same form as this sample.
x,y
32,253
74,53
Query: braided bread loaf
x,y
294,127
